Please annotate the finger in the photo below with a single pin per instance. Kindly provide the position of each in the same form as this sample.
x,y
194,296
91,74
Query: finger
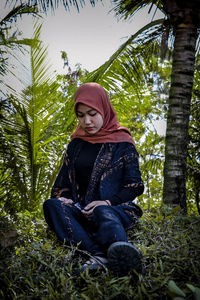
x,y
87,212
66,200
90,205
86,208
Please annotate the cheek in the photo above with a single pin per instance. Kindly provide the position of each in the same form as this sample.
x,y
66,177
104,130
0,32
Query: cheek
x,y
100,121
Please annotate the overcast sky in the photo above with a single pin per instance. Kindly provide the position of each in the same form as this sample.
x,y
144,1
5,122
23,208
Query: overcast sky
x,y
89,37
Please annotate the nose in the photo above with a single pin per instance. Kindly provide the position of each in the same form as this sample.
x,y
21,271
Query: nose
x,y
87,120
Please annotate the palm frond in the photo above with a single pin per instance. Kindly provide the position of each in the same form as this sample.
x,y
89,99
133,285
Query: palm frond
x,y
31,134
127,61
16,12
126,9
46,5
10,40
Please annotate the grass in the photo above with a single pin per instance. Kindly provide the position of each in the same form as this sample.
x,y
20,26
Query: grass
x,y
37,266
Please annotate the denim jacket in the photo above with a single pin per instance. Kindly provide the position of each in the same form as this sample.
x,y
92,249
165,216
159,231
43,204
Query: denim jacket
x,y
116,167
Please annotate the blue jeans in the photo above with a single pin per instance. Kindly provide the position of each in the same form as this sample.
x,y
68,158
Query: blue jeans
x,y
107,225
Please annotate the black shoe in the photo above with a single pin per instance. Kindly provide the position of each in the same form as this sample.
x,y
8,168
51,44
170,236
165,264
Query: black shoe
x,y
123,258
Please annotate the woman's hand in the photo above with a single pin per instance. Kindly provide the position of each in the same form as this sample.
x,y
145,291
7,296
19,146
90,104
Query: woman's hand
x,y
88,209
65,200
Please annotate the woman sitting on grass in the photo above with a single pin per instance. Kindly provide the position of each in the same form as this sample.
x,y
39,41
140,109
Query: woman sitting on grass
x,y
91,203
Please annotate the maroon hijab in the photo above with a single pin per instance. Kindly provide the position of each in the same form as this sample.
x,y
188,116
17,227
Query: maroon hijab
x,y
94,95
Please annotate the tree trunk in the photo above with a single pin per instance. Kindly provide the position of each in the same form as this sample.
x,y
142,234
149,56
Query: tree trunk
x,y
174,190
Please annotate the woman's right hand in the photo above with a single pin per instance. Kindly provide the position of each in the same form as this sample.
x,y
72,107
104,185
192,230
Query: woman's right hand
x,y
65,200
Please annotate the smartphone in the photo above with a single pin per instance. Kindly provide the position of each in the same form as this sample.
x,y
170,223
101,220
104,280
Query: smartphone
x,y
78,206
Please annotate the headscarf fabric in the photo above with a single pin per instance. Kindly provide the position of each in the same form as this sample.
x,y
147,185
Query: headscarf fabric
x,y
93,95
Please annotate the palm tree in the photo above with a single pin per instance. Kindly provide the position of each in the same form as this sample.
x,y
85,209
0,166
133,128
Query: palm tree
x,y
10,41
29,129
182,20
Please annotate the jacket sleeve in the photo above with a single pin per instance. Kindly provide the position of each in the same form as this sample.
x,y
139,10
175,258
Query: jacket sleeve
x,y
62,185
132,185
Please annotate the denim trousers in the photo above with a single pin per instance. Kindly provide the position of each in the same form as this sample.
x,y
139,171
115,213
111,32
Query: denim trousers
x,y
107,225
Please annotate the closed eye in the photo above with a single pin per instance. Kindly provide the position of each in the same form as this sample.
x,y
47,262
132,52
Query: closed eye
x,y
91,113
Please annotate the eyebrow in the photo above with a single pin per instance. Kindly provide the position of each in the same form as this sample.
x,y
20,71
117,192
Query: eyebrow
x,y
80,112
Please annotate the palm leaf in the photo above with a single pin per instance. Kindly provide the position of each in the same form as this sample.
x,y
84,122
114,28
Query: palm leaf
x,y
32,136
127,61
126,9
46,5
16,12
11,41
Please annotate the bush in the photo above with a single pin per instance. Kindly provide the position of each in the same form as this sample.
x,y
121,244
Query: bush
x,y
38,266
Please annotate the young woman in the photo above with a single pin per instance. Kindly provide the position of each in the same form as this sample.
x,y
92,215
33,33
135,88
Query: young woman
x,y
91,203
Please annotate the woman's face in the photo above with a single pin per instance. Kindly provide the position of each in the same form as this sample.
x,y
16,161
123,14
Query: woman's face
x,y
90,119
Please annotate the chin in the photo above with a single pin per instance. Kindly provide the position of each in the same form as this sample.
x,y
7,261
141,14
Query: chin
x,y
91,133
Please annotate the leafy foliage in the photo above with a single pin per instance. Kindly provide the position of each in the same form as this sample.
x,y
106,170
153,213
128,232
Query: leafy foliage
x,y
129,65
10,40
193,166
39,267
139,111
126,65
35,126
126,9
138,82
32,135
46,5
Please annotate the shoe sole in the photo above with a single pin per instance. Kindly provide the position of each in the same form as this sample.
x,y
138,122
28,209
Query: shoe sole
x,y
123,258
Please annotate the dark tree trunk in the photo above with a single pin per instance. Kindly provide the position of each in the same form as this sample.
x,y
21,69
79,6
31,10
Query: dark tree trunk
x,y
174,191
184,17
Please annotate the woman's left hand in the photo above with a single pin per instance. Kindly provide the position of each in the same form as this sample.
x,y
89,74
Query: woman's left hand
x,y
88,209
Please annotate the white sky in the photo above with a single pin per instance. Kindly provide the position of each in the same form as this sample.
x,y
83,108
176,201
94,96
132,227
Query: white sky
x,y
89,37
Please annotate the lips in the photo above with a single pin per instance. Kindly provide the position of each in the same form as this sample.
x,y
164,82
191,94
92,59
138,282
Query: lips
x,y
89,128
